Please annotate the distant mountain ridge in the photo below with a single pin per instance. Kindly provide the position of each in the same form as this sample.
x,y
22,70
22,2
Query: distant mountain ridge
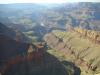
x,y
84,14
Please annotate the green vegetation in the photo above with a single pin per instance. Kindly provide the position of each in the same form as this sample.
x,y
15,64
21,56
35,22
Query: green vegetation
x,y
56,53
69,69
91,61
25,21
30,34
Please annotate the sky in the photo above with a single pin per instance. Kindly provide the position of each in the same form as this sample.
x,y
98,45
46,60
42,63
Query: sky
x,y
44,1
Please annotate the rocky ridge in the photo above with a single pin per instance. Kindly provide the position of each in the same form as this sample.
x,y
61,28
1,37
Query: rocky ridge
x,y
86,53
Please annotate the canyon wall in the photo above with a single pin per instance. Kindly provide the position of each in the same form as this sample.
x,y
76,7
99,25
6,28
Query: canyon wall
x,y
92,35
85,52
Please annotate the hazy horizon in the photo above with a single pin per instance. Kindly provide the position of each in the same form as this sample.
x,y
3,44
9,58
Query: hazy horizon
x,y
45,1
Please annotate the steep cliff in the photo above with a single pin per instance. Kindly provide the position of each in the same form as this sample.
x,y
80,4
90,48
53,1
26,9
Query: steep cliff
x,y
12,43
85,52
91,35
18,57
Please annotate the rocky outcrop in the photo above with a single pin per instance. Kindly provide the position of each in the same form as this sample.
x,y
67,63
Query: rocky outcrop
x,y
73,46
53,41
92,35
